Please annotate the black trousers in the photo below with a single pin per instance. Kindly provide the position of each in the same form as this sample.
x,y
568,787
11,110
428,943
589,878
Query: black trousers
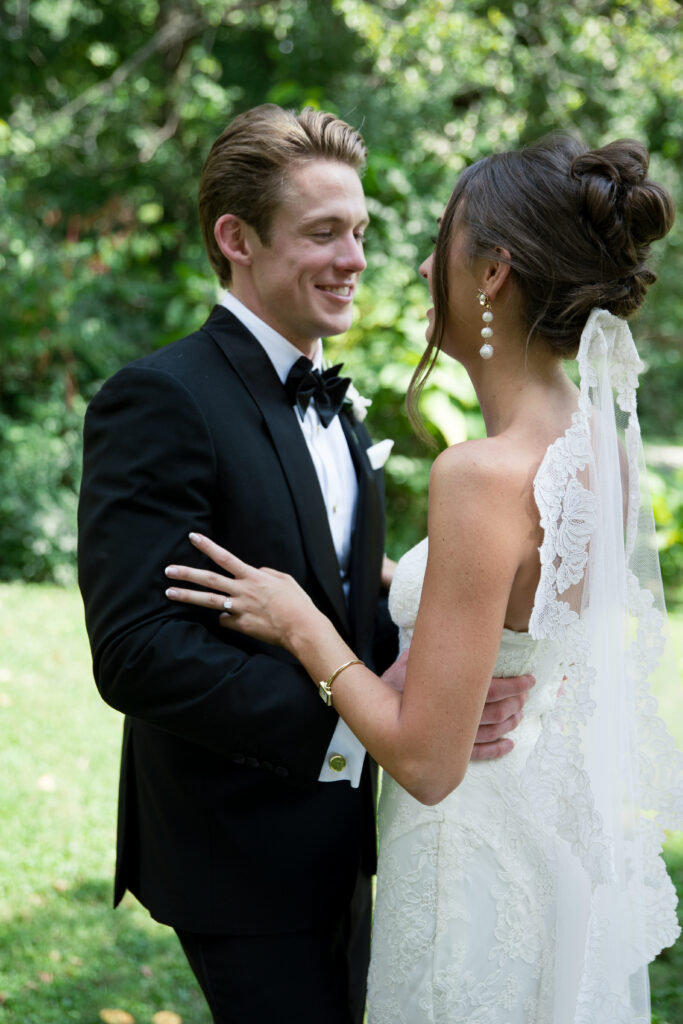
x,y
307,977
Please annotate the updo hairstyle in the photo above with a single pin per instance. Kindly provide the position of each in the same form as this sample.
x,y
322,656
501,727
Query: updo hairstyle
x,y
578,226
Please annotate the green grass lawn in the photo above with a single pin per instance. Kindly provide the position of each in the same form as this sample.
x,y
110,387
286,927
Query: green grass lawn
x,y
64,954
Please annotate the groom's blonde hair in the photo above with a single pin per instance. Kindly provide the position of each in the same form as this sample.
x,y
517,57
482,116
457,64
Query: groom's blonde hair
x,y
246,171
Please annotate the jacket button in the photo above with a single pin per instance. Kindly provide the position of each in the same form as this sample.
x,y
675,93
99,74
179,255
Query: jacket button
x,y
337,762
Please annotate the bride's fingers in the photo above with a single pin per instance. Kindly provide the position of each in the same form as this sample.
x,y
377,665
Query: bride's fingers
x,y
228,620
202,577
231,563
200,598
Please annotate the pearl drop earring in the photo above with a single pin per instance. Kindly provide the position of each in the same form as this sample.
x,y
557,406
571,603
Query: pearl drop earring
x,y
486,350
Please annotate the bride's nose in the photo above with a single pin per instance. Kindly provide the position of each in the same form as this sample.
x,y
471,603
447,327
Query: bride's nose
x,y
426,267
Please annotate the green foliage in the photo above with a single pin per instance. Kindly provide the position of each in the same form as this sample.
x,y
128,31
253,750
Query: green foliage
x,y
666,971
667,500
108,108
40,470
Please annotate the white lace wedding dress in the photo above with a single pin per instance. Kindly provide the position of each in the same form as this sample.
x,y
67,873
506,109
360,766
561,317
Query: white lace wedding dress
x,y
463,927
535,893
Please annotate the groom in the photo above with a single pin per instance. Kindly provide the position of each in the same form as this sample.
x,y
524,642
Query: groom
x,y
246,808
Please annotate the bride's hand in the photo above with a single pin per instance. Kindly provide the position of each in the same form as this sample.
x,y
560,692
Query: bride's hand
x,y
263,603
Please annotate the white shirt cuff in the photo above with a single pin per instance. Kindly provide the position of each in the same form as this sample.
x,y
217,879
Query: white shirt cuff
x,y
343,746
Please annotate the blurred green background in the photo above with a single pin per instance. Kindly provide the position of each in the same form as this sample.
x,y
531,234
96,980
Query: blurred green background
x,y
107,111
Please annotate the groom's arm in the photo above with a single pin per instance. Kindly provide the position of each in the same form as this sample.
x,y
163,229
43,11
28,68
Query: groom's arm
x,y
149,478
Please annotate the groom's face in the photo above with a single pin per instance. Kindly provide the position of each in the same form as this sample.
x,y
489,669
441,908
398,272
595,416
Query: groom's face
x,y
302,283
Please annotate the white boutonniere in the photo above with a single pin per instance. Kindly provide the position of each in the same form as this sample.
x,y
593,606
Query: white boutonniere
x,y
356,402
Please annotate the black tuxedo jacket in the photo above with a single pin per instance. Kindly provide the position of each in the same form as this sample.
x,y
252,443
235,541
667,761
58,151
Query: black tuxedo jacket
x,y
223,826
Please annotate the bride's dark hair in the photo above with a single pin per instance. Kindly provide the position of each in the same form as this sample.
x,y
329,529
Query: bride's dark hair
x,y
578,226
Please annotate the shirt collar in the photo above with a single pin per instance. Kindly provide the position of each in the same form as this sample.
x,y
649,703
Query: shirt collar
x,y
281,352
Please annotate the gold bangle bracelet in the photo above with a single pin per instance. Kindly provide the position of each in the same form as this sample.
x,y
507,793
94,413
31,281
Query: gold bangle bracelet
x,y
325,686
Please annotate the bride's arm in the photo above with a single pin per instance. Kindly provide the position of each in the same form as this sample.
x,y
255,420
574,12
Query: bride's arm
x,y
476,532
424,736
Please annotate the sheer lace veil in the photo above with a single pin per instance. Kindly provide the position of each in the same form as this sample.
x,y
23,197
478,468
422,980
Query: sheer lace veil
x,y
605,771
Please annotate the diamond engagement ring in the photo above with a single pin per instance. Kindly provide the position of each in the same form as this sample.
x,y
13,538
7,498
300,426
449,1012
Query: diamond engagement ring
x,y
227,604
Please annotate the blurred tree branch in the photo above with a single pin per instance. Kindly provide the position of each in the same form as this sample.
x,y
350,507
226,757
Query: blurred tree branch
x,y
177,31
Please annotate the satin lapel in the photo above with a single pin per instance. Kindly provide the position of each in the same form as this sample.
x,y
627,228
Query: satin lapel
x,y
256,371
367,548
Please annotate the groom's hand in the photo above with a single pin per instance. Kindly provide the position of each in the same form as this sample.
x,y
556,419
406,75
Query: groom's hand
x,y
395,675
502,713
388,570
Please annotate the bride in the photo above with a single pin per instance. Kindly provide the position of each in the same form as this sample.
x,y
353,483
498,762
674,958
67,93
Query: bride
x,y
529,889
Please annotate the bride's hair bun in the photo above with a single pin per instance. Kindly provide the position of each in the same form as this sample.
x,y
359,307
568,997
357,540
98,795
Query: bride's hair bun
x,y
624,212
577,223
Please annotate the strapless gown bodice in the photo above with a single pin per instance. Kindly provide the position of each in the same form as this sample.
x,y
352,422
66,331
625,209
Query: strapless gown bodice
x,y
518,654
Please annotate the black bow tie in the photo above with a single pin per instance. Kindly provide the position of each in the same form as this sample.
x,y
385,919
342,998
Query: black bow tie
x,y
326,390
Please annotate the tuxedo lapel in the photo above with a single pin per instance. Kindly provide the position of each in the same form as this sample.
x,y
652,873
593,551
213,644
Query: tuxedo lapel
x,y
258,375
367,547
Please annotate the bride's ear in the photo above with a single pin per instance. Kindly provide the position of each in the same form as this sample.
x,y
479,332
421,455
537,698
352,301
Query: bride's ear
x,y
496,272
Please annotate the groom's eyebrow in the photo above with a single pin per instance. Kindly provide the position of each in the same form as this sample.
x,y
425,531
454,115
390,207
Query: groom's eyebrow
x,y
332,218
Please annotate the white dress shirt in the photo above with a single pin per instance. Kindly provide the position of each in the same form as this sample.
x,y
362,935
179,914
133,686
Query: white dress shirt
x,y
334,468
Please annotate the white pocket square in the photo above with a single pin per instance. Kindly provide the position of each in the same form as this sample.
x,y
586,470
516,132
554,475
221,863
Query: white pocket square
x,y
379,453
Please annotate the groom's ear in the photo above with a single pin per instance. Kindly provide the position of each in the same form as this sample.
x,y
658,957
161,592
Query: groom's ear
x,y
234,239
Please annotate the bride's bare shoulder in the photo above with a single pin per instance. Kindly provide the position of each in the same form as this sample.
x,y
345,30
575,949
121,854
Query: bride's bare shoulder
x,y
487,463
483,491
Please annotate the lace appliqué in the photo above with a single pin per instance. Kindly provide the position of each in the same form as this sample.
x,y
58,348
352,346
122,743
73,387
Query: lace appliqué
x,y
555,779
628,883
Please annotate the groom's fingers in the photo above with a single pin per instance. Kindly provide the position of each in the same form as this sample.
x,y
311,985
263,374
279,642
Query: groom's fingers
x,y
502,713
498,712
492,733
503,687
505,700
491,751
